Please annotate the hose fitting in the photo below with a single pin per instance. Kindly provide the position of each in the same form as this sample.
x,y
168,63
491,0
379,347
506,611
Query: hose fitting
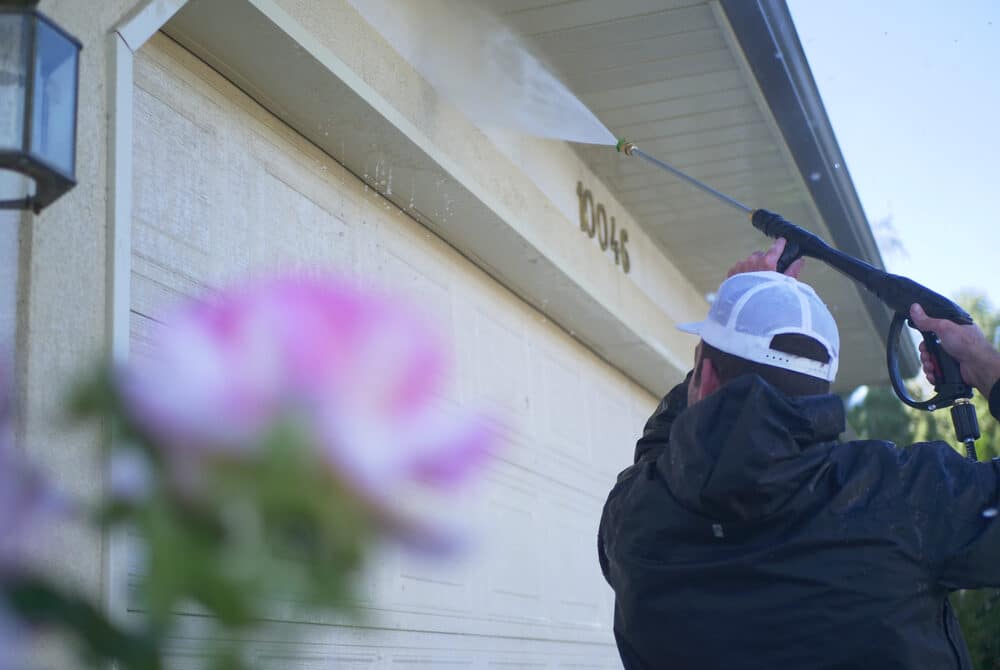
x,y
625,146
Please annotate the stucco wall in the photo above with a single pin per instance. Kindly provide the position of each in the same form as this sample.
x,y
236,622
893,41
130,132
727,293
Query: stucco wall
x,y
62,314
9,226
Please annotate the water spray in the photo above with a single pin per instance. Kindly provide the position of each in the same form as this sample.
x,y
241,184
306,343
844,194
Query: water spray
x,y
897,292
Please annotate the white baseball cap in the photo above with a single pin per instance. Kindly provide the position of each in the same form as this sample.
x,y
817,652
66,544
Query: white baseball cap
x,y
751,308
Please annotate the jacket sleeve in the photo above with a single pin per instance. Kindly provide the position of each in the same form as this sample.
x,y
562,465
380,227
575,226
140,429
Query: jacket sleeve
x,y
994,400
657,428
957,501
602,554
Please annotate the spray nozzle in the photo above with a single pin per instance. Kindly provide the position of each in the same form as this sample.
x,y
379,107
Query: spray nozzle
x,y
625,146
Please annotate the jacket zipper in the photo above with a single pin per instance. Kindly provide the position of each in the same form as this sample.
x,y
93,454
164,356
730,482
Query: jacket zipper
x,y
945,609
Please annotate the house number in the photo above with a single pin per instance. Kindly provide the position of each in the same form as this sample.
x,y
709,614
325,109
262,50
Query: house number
x,y
594,221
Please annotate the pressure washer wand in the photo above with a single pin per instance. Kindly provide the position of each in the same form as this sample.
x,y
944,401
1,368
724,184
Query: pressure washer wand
x,y
897,292
631,150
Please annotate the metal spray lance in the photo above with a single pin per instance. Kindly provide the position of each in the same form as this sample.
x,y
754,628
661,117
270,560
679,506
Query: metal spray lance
x,y
898,292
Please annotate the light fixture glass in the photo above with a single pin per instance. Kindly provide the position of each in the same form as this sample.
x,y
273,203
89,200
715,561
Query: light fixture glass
x,y
39,82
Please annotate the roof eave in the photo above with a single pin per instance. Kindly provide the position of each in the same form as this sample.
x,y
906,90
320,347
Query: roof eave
x,y
770,43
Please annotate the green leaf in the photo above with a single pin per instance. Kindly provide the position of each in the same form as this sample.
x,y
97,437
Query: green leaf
x,y
40,604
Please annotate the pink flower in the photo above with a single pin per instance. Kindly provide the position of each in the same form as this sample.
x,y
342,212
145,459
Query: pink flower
x,y
29,510
14,641
29,506
358,372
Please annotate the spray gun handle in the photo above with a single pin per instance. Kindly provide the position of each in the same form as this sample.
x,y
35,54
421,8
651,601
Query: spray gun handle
x,y
949,373
948,384
791,254
799,241
775,226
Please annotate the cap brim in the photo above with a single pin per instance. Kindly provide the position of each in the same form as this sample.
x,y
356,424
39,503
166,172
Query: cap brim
x,y
694,327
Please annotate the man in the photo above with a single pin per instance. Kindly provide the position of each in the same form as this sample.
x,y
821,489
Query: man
x,y
746,535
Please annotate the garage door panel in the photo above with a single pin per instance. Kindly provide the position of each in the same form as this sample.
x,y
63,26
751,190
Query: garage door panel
x,y
418,282
513,571
291,158
427,583
187,660
573,580
387,649
421,278
171,202
187,195
562,404
447,587
302,167
296,220
612,428
337,660
292,232
444,660
156,286
500,377
141,332
170,254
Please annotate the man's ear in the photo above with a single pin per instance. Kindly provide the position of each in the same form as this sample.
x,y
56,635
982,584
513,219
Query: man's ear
x,y
709,379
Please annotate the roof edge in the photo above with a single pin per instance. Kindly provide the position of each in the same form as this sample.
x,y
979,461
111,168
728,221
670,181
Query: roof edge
x,y
771,46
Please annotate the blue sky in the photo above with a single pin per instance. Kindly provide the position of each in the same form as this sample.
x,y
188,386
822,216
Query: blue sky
x,y
913,91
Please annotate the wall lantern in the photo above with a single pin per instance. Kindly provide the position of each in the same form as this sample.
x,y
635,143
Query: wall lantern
x,y
39,77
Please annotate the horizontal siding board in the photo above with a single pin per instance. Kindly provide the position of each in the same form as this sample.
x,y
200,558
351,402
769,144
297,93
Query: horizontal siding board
x,y
653,71
665,88
637,53
611,34
692,123
578,13
677,107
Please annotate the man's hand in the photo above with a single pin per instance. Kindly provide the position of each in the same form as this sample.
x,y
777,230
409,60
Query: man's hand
x,y
760,261
978,360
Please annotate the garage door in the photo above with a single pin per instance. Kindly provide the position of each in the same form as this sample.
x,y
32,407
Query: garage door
x,y
223,189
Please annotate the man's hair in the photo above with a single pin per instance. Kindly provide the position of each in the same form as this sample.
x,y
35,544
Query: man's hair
x,y
729,367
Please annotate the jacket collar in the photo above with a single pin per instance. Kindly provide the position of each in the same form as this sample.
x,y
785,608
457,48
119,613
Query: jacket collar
x,y
741,453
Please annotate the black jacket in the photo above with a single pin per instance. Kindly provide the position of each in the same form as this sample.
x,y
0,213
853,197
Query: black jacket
x,y
746,536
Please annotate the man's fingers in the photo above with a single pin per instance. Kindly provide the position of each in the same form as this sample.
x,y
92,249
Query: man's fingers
x,y
929,365
774,253
979,361
751,263
760,261
927,362
926,323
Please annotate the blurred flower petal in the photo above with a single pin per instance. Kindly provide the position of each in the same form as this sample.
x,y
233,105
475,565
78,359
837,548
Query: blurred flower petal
x,y
130,475
447,455
28,504
360,373
14,641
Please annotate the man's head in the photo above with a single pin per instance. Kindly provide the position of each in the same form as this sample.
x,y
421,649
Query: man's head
x,y
768,324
